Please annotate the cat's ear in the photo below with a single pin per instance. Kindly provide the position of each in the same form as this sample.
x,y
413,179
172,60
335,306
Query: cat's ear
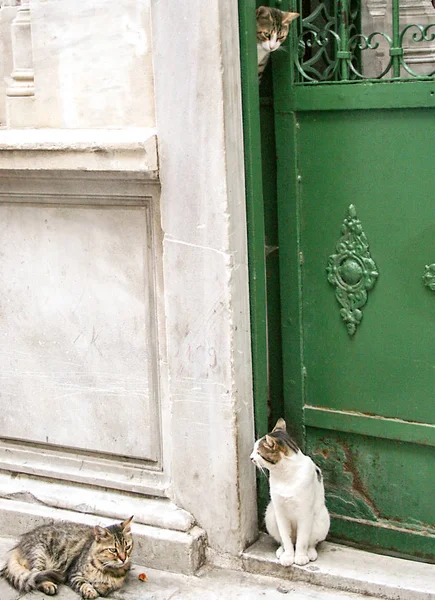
x,y
125,525
100,533
270,442
262,12
280,424
288,17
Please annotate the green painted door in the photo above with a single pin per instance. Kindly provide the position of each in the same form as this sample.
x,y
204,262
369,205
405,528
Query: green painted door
x,y
356,207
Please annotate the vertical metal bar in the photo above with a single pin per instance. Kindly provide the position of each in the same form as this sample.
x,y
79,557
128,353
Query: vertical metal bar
x,y
396,52
343,55
295,31
288,211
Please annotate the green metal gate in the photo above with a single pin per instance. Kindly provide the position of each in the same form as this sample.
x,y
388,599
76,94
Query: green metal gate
x,y
356,235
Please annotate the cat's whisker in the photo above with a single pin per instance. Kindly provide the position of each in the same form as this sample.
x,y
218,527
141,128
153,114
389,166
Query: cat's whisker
x,y
262,470
272,30
70,553
297,497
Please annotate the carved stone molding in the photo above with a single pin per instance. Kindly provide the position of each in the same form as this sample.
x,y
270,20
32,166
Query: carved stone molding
x,y
132,149
377,8
352,271
22,77
100,239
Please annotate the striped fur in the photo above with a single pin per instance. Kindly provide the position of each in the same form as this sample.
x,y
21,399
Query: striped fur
x,y
272,30
93,561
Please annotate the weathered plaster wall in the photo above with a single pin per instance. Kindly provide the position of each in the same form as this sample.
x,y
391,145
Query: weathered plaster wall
x,y
93,110
205,264
92,65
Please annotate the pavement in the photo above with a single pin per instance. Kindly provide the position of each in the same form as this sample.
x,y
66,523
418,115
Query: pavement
x,y
210,584
213,583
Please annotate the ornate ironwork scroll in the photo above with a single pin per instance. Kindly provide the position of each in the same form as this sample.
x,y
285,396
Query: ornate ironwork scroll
x,y
352,271
331,44
429,276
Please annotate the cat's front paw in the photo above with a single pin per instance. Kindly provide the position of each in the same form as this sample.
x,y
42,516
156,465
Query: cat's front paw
x,y
48,587
88,592
279,552
301,559
286,559
312,553
102,588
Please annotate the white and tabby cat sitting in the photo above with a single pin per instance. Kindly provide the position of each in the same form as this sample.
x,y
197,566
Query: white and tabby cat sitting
x,y
297,516
272,30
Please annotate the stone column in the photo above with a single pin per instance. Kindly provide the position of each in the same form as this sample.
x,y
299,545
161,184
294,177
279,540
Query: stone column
x,y
419,56
21,85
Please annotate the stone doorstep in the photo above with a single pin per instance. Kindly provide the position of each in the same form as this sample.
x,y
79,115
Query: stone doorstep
x,y
338,567
159,548
348,569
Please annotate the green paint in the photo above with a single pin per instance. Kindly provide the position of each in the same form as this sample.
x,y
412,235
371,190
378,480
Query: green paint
x,y
404,543
255,218
276,404
352,271
429,276
254,207
367,399
355,95
396,52
331,43
290,272
372,482
364,405
342,497
376,426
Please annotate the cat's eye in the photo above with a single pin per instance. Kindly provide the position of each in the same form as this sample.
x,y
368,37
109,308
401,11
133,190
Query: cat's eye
x,y
112,550
266,34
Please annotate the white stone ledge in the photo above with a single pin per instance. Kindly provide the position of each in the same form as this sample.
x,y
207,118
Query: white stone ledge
x,y
132,149
348,569
156,547
21,493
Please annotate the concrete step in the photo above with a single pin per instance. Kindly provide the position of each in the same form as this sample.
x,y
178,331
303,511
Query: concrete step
x,y
158,547
208,584
344,568
340,573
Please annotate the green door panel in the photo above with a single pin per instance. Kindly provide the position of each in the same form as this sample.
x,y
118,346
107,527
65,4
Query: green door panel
x,y
375,491
375,160
367,399
362,405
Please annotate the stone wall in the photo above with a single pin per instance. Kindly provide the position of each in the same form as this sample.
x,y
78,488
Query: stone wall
x,y
125,346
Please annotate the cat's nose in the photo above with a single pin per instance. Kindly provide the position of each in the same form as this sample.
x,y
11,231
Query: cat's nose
x,y
272,45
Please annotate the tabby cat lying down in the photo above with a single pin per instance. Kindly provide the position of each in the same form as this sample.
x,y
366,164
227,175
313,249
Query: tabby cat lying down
x,y
93,561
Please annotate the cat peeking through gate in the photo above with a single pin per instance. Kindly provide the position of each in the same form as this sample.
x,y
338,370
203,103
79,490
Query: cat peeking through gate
x,y
272,29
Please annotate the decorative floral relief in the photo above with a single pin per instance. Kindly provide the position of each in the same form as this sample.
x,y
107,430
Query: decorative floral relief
x,y
352,271
429,276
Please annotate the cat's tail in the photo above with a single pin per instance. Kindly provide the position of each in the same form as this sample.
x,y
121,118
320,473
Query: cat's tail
x,y
22,578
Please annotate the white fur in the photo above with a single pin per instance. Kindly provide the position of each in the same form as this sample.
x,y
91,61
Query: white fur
x,y
266,47
297,516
